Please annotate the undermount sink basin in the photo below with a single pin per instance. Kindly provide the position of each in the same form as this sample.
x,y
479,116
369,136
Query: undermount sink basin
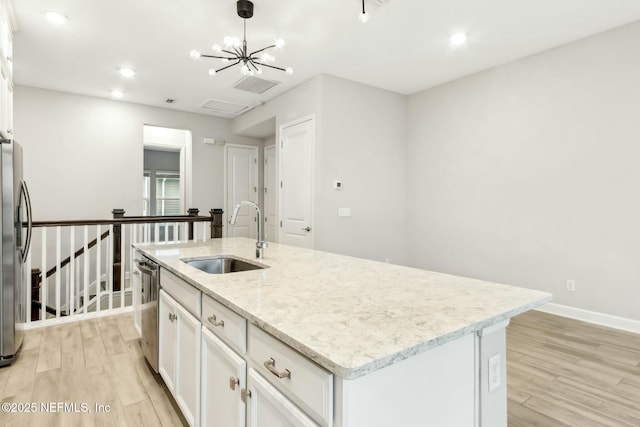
x,y
222,264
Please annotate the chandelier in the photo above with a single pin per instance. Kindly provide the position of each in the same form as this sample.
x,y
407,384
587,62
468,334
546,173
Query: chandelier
x,y
235,51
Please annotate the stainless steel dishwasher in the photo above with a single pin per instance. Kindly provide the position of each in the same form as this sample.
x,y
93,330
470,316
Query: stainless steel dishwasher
x,y
149,287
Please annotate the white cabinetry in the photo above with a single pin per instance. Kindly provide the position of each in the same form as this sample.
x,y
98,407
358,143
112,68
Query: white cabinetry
x,y
205,367
179,355
268,407
223,377
7,23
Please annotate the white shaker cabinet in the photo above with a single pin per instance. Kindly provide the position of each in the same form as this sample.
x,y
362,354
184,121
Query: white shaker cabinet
x,y
167,331
267,407
179,356
223,378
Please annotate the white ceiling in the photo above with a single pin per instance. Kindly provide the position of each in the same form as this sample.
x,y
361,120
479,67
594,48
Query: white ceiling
x,y
403,48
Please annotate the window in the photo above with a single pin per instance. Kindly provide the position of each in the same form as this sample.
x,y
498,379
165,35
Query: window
x,y
167,194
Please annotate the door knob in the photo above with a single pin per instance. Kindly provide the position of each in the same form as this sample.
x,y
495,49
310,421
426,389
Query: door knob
x,y
307,229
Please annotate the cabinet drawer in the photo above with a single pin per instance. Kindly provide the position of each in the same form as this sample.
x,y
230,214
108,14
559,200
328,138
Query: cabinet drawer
x,y
184,293
225,323
301,380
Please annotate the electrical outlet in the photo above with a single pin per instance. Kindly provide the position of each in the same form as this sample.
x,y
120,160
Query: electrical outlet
x,y
494,372
571,285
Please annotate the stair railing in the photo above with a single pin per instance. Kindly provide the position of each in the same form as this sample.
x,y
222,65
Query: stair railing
x,y
93,279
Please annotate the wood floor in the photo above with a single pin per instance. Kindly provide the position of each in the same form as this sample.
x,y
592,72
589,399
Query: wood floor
x,y
94,362
561,372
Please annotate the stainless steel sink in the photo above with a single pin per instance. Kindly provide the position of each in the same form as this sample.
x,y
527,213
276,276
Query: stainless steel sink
x,y
222,264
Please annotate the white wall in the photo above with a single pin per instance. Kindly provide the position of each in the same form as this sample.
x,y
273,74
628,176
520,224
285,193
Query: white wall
x,y
528,174
360,139
364,146
83,156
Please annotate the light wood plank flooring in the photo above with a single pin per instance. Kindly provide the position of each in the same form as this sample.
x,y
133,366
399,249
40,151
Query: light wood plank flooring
x,y
94,362
561,372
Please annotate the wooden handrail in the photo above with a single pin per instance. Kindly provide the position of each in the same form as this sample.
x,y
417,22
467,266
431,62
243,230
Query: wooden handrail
x,y
120,221
77,254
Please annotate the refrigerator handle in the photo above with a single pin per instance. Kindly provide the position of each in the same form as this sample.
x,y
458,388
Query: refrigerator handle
x,y
27,199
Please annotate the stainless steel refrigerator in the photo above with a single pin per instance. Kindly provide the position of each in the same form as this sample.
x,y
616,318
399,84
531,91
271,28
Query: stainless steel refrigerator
x,y
15,239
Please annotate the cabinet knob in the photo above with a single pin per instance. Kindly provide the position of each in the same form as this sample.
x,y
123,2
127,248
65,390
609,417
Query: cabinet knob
x,y
172,317
213,320
244,394
233,382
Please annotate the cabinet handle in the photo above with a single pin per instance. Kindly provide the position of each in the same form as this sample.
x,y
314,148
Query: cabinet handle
x,y
244,394
271,366
233,382
214,321
172,317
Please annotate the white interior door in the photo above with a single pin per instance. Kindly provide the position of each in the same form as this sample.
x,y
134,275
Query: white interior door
x,y
270,194
241,184
296,176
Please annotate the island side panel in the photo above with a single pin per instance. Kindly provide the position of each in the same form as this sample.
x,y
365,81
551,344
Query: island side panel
x,y
492,378
433,388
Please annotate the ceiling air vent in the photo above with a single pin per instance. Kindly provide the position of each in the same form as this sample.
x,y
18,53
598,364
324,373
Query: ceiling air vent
x,y
254,84
223,107
376,3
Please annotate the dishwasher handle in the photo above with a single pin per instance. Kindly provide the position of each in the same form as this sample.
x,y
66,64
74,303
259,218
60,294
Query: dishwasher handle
x,y
147,267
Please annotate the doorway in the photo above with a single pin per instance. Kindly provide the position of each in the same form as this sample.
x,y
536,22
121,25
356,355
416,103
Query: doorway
x,y
296,182
241,183
166,171
270,194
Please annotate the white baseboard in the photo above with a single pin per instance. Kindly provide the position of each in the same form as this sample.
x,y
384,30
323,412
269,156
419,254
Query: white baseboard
x,y
603,319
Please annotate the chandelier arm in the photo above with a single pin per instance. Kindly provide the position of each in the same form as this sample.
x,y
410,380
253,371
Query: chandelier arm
x,y
228,66
253,65
270,66
229,52
264,48
238,52
219,57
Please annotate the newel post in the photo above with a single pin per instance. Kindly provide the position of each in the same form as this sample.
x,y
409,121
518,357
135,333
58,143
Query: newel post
x,y
216,223
192,212
117,249
36,279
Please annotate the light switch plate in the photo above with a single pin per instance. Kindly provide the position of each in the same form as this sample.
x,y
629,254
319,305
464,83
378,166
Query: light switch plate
x,y
344,212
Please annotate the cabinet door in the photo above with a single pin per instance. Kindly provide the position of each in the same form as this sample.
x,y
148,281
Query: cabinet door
x,y
167,331
267,407
223,376
187,392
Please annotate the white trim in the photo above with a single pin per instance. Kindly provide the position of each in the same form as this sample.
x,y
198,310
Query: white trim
x,y
622,323
75,318
312,119
225,213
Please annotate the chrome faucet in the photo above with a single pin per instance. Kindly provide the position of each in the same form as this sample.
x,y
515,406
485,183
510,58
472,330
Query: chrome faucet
x,y
261,244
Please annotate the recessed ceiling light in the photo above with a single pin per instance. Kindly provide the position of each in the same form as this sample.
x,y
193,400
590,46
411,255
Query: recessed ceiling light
x,y
458,39
127,72
56,17
117,94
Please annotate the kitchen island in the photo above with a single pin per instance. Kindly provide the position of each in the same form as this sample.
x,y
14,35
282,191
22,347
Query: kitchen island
x,y
399,346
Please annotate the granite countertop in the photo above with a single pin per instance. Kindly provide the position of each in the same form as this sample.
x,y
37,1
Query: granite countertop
x,y
350,315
